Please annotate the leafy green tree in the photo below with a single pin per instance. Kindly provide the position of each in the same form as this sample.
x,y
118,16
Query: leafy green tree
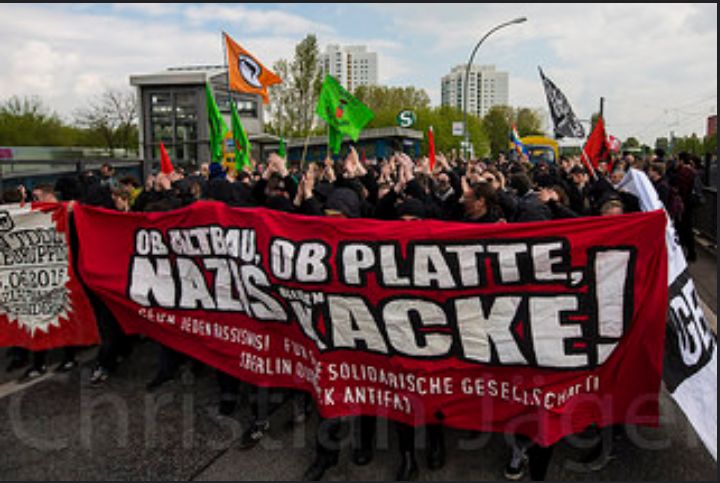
x,y
387,102
280,100
691,144
528,122
662,143
710,144
631,142
441,119
498,123
295,99
307,80
28,122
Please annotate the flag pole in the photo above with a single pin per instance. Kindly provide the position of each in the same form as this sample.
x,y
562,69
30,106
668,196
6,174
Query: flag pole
x,y
227,74
588,164
302,159
225,64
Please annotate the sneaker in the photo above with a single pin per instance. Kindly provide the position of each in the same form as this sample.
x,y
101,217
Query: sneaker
x,y
516,467
33,373
254,434
99,376
66,366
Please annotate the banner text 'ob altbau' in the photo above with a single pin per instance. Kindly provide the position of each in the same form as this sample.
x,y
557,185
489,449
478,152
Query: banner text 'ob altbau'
x,y
471,326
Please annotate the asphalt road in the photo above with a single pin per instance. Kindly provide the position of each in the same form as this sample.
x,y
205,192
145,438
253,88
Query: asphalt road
x,y
59,428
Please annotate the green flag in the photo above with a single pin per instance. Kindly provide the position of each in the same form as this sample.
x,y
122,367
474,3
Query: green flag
x,y
218,128
242,145
281,150
343,112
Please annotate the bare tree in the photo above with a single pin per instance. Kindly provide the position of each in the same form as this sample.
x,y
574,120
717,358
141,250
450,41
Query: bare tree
x,y
27,106
113,115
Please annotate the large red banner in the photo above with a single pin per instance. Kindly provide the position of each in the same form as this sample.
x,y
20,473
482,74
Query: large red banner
x,y
42,303
534,328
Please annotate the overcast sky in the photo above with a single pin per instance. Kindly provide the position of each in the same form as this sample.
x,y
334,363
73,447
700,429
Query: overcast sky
x,y
655,64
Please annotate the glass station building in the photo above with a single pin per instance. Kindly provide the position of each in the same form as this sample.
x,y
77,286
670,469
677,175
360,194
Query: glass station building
x,y
173,110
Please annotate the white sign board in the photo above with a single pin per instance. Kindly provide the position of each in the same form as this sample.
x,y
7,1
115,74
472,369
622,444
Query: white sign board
x,y
457,128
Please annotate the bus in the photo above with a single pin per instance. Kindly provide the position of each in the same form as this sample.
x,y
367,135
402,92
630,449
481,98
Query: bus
x,y
541,148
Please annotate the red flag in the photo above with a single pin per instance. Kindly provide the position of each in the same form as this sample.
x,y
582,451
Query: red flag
x,y
166,165
431,148
596,147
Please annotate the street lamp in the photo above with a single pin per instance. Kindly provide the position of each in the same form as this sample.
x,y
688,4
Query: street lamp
x,y
467,76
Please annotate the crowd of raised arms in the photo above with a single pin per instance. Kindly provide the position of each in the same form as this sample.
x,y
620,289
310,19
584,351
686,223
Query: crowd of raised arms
x,y
393,188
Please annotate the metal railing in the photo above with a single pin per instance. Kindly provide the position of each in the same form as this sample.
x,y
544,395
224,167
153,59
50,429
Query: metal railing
x,y
32,172
705,215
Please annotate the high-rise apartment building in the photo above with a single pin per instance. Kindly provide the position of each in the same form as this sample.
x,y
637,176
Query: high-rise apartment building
x,y
352,65
486,88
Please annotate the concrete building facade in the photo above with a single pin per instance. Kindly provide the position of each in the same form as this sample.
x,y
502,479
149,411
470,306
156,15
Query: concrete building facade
x,y
486,88
351,65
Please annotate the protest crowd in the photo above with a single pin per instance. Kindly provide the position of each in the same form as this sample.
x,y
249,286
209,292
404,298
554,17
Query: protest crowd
x,y
395,188
449,194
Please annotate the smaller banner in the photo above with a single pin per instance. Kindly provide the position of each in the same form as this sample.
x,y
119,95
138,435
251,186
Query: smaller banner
x,y
566,124
42,304
690,369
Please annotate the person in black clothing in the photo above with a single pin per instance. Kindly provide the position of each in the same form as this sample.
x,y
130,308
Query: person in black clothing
x,y
480,204
529,207
19,356
557,201
276,189
409,210
158,198
684,180
579,191
668,195
47,193
342,202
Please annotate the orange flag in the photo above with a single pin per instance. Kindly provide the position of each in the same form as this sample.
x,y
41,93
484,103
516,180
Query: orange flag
x,y
246,73
166,165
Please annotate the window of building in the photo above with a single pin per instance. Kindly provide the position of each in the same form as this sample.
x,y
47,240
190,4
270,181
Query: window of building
x,y
172,121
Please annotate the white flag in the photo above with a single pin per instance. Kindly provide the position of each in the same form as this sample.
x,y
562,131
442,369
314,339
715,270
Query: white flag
x,y
690,363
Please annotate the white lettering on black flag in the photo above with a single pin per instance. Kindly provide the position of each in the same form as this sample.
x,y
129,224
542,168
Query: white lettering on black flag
x,y
690,364
564,120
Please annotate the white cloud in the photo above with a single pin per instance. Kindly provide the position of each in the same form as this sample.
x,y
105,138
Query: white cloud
x,y
633,55
67,57
276,22
644,59
151,9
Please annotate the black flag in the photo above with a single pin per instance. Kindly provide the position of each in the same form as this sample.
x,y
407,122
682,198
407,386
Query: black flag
x,y
566,124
